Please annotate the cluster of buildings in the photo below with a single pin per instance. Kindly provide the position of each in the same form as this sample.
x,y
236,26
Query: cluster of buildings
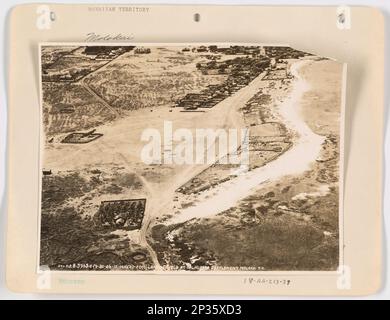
x,y
232,50
280,52
78,63
240,72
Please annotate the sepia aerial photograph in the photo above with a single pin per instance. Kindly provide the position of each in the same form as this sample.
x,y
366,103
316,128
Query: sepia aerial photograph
x,y
190,158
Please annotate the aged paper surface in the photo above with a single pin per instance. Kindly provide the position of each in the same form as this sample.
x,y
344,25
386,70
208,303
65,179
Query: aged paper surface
x,y
127,187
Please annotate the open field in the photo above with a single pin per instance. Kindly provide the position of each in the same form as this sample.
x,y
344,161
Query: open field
x,y
69,107
150,80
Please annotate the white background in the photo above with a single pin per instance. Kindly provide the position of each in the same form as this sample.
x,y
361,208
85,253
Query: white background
x,y
6,5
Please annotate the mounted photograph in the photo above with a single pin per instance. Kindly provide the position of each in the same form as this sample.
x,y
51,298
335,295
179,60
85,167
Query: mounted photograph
x,y
190,158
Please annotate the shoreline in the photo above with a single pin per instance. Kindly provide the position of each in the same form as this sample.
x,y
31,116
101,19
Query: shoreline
x,y
307,144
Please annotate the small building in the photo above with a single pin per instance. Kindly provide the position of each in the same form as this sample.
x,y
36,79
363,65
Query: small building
x,y
46,172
